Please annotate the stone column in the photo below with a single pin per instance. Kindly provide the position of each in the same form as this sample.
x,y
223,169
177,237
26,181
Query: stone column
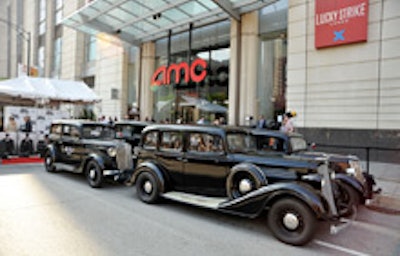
x,y
148,52
234,73
248,66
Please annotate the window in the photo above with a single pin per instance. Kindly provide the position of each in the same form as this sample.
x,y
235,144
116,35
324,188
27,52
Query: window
x,y
59,11
41,60
91,48
150,140
56,129
57,57
201,142
42,17
171,141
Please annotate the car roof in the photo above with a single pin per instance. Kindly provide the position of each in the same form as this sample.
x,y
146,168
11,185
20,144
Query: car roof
x,y
194,128
78,122
132,122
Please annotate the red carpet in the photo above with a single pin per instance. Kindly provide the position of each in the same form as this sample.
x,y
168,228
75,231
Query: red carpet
x,y
22,160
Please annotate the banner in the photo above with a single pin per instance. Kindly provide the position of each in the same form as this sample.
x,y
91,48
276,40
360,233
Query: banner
x,y
339,22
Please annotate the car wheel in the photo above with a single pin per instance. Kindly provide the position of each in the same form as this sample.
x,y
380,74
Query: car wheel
x,y
94,174
49,162
348,199
241,184
147,188
291,221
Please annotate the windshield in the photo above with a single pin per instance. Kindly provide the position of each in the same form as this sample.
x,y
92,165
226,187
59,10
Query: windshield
x,y
241,142
97,132
298,144
127,131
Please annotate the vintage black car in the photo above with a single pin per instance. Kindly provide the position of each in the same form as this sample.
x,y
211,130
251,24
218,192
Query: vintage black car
x,y
88,147
130,131
217,168
356,184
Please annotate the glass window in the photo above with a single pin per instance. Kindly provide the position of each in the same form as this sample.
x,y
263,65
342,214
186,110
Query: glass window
x,y
56,129
171,141
42,17
57,57
41,60
98,132
150,140
91,48
59,11
240,142
298,144
201,142
268,143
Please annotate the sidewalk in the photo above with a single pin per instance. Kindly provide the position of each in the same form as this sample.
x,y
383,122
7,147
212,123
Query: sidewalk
x,y
387,178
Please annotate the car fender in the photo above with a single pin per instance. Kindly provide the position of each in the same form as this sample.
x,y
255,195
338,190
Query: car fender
x,y
349,180
253,203
52,150
95,157
252,169
153,169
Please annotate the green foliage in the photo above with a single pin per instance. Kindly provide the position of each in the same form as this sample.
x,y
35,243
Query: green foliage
x,y
87,114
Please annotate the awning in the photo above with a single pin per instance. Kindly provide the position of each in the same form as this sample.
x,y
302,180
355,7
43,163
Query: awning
x,y
136,21
38,88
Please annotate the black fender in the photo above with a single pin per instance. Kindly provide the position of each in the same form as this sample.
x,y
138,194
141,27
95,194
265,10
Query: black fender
x,y
95,157
252,169
153,169
255,202
352,181
50,148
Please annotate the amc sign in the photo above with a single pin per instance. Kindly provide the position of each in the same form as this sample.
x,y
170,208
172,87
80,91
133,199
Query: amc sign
x,y
339,22
164,74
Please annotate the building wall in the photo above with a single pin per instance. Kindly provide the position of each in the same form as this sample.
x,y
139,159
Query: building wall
x,y
351,86
347,96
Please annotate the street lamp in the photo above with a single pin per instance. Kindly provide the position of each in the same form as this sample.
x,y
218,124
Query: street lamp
x,y
26,36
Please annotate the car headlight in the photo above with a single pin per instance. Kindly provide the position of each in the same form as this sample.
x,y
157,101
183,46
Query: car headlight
x,y
351,171
112,152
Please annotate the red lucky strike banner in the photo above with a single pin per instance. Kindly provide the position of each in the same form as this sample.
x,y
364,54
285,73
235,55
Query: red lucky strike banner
x,y
339,22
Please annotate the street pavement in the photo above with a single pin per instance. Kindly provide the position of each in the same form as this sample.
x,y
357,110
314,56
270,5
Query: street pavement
x,y
387,176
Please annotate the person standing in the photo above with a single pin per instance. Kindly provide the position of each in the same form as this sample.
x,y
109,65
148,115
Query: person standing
x,y
287,124
11,125
27,127
261,122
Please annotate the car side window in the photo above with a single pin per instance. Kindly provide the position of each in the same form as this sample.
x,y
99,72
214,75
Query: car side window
x,y
171,141
272,144
150,140
202,142
55,131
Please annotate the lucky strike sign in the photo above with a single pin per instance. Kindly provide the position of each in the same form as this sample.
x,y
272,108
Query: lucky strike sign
x,y
163,75
339,22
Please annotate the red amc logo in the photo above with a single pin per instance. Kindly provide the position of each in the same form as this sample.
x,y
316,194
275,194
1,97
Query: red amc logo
x,y
162,76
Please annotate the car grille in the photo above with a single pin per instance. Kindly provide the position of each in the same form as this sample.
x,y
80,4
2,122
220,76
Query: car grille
x,y
124,156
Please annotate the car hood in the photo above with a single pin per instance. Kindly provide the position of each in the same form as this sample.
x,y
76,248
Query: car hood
x,y
277,161
330,156
104,143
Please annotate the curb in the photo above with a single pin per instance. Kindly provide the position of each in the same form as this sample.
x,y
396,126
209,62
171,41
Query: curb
x,y
385,204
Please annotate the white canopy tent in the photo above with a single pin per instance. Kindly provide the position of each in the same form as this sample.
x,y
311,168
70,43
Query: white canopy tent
x,y
38,88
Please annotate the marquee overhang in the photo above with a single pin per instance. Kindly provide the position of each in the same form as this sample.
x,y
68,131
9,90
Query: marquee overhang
x,y
136,21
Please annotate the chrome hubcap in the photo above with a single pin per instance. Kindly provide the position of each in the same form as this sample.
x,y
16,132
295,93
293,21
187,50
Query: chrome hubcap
x,y
291,221
147,187
48,160
245,186
92,174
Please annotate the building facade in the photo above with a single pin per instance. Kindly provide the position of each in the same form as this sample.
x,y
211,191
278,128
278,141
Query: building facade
x,y
261,58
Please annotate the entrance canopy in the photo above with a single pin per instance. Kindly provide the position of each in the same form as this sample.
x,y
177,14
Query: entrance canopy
x,y
38,88
137,21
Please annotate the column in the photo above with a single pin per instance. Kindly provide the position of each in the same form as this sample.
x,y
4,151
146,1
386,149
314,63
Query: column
x,y
148,51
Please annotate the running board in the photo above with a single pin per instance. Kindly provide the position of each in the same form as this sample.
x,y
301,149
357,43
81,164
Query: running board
x,y
197,200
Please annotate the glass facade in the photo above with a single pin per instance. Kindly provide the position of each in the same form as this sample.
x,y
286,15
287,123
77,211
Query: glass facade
x,y
271,86
185,99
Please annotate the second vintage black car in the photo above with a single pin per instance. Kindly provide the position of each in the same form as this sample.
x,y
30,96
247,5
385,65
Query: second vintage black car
x,y
217,168
90,148
357,185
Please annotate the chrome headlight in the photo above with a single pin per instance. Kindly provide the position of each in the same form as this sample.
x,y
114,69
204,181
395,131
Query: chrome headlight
x,y
351,171
112,152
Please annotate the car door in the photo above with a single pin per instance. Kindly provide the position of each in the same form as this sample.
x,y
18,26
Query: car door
x,y
170,156
72,146
205,166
